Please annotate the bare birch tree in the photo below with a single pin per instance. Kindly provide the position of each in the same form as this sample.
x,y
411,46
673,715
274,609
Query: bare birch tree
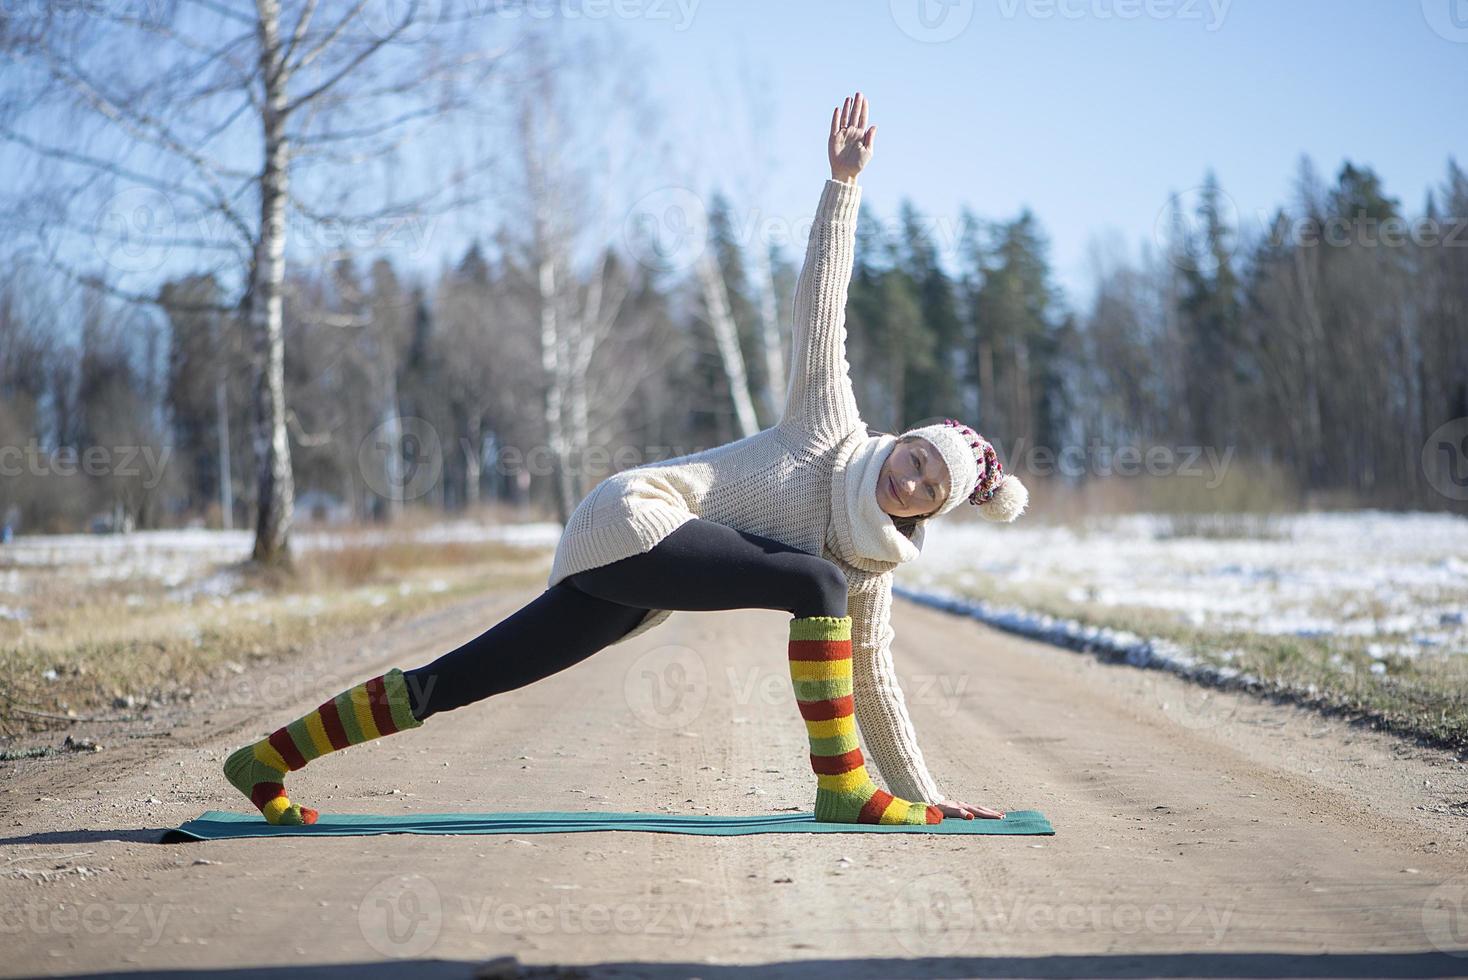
x,y
208,128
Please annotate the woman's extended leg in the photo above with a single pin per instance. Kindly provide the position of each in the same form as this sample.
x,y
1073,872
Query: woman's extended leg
x,y
559,628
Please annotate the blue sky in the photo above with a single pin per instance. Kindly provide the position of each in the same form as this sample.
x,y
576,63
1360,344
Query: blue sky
x,y
1089,112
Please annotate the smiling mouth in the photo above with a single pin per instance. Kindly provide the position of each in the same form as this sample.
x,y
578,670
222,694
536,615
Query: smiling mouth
x,y
892,489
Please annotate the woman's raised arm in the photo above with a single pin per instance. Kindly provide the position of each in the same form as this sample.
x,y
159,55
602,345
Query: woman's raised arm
x,y
819,402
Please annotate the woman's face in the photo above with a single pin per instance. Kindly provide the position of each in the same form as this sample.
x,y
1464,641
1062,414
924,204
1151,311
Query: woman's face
x,y
913,481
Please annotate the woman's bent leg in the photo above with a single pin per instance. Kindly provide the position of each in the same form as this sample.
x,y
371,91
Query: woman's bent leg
x,y
703,566
560,628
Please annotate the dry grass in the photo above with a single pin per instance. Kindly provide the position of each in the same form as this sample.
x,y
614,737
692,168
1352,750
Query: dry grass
x,y
1421,696
87,647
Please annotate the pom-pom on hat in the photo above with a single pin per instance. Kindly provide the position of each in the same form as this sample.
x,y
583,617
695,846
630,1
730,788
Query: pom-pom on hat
x,y
974,472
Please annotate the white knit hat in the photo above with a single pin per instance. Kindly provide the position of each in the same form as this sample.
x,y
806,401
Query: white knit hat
x,y
974,472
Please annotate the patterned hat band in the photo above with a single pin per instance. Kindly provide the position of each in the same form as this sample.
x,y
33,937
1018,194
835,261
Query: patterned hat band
x,y
991,471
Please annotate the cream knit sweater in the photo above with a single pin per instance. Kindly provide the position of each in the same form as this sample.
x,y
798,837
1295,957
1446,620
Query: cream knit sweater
x,y
808,482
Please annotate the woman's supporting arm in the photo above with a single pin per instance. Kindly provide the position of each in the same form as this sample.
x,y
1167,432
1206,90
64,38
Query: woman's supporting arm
x,y
881,709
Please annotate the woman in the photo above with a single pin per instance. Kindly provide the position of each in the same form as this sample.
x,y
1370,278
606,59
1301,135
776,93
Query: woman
x,y
798,517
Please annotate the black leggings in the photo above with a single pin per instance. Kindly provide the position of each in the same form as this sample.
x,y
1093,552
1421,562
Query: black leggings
x,y
701,566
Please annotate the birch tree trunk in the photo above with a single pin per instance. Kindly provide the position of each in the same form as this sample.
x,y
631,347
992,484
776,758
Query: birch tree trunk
x,y
770,336
726,336
276,493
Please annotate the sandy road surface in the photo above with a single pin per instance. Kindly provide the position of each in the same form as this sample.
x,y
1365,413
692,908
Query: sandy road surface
x,y
1198,835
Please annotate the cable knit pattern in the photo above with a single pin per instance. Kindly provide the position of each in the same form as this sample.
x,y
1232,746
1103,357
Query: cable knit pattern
x,y
787,482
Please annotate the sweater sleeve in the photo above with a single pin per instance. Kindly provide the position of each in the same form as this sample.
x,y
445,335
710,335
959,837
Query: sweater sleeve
x,y
881,709
819,402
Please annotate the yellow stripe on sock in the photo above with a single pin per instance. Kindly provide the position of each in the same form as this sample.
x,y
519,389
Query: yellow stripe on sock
x,y
844,783
317,730
265,752
362,708
896,811
831,727
275,808
819,670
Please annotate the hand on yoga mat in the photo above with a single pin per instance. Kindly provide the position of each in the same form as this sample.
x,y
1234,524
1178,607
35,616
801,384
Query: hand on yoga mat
x,y
967,811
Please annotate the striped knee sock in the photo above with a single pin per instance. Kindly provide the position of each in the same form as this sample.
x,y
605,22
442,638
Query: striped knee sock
x,y
820,666
370,710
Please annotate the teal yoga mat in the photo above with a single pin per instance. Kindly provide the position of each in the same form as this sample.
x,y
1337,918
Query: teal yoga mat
x,y
222,825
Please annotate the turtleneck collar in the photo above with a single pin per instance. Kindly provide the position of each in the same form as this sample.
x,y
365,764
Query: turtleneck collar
x,y
862,534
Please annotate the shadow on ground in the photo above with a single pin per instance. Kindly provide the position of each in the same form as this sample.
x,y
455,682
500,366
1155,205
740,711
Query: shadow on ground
x,y
1424,964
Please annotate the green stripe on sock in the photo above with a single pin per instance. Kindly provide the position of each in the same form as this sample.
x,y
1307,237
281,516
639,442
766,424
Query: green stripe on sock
x,y
835,745
826,690
348,715
397,700
821,628
302,738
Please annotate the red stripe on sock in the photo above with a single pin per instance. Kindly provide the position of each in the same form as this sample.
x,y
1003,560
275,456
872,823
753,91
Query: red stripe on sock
x,y
872,811
835,765
381,710
336,734
935,815
820,649
263,793
286,746
827,709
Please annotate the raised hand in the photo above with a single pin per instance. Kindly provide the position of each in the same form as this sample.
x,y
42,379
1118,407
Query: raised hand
x,y
850,142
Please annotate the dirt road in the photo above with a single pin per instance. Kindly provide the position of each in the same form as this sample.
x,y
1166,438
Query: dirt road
x,y
1196,835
